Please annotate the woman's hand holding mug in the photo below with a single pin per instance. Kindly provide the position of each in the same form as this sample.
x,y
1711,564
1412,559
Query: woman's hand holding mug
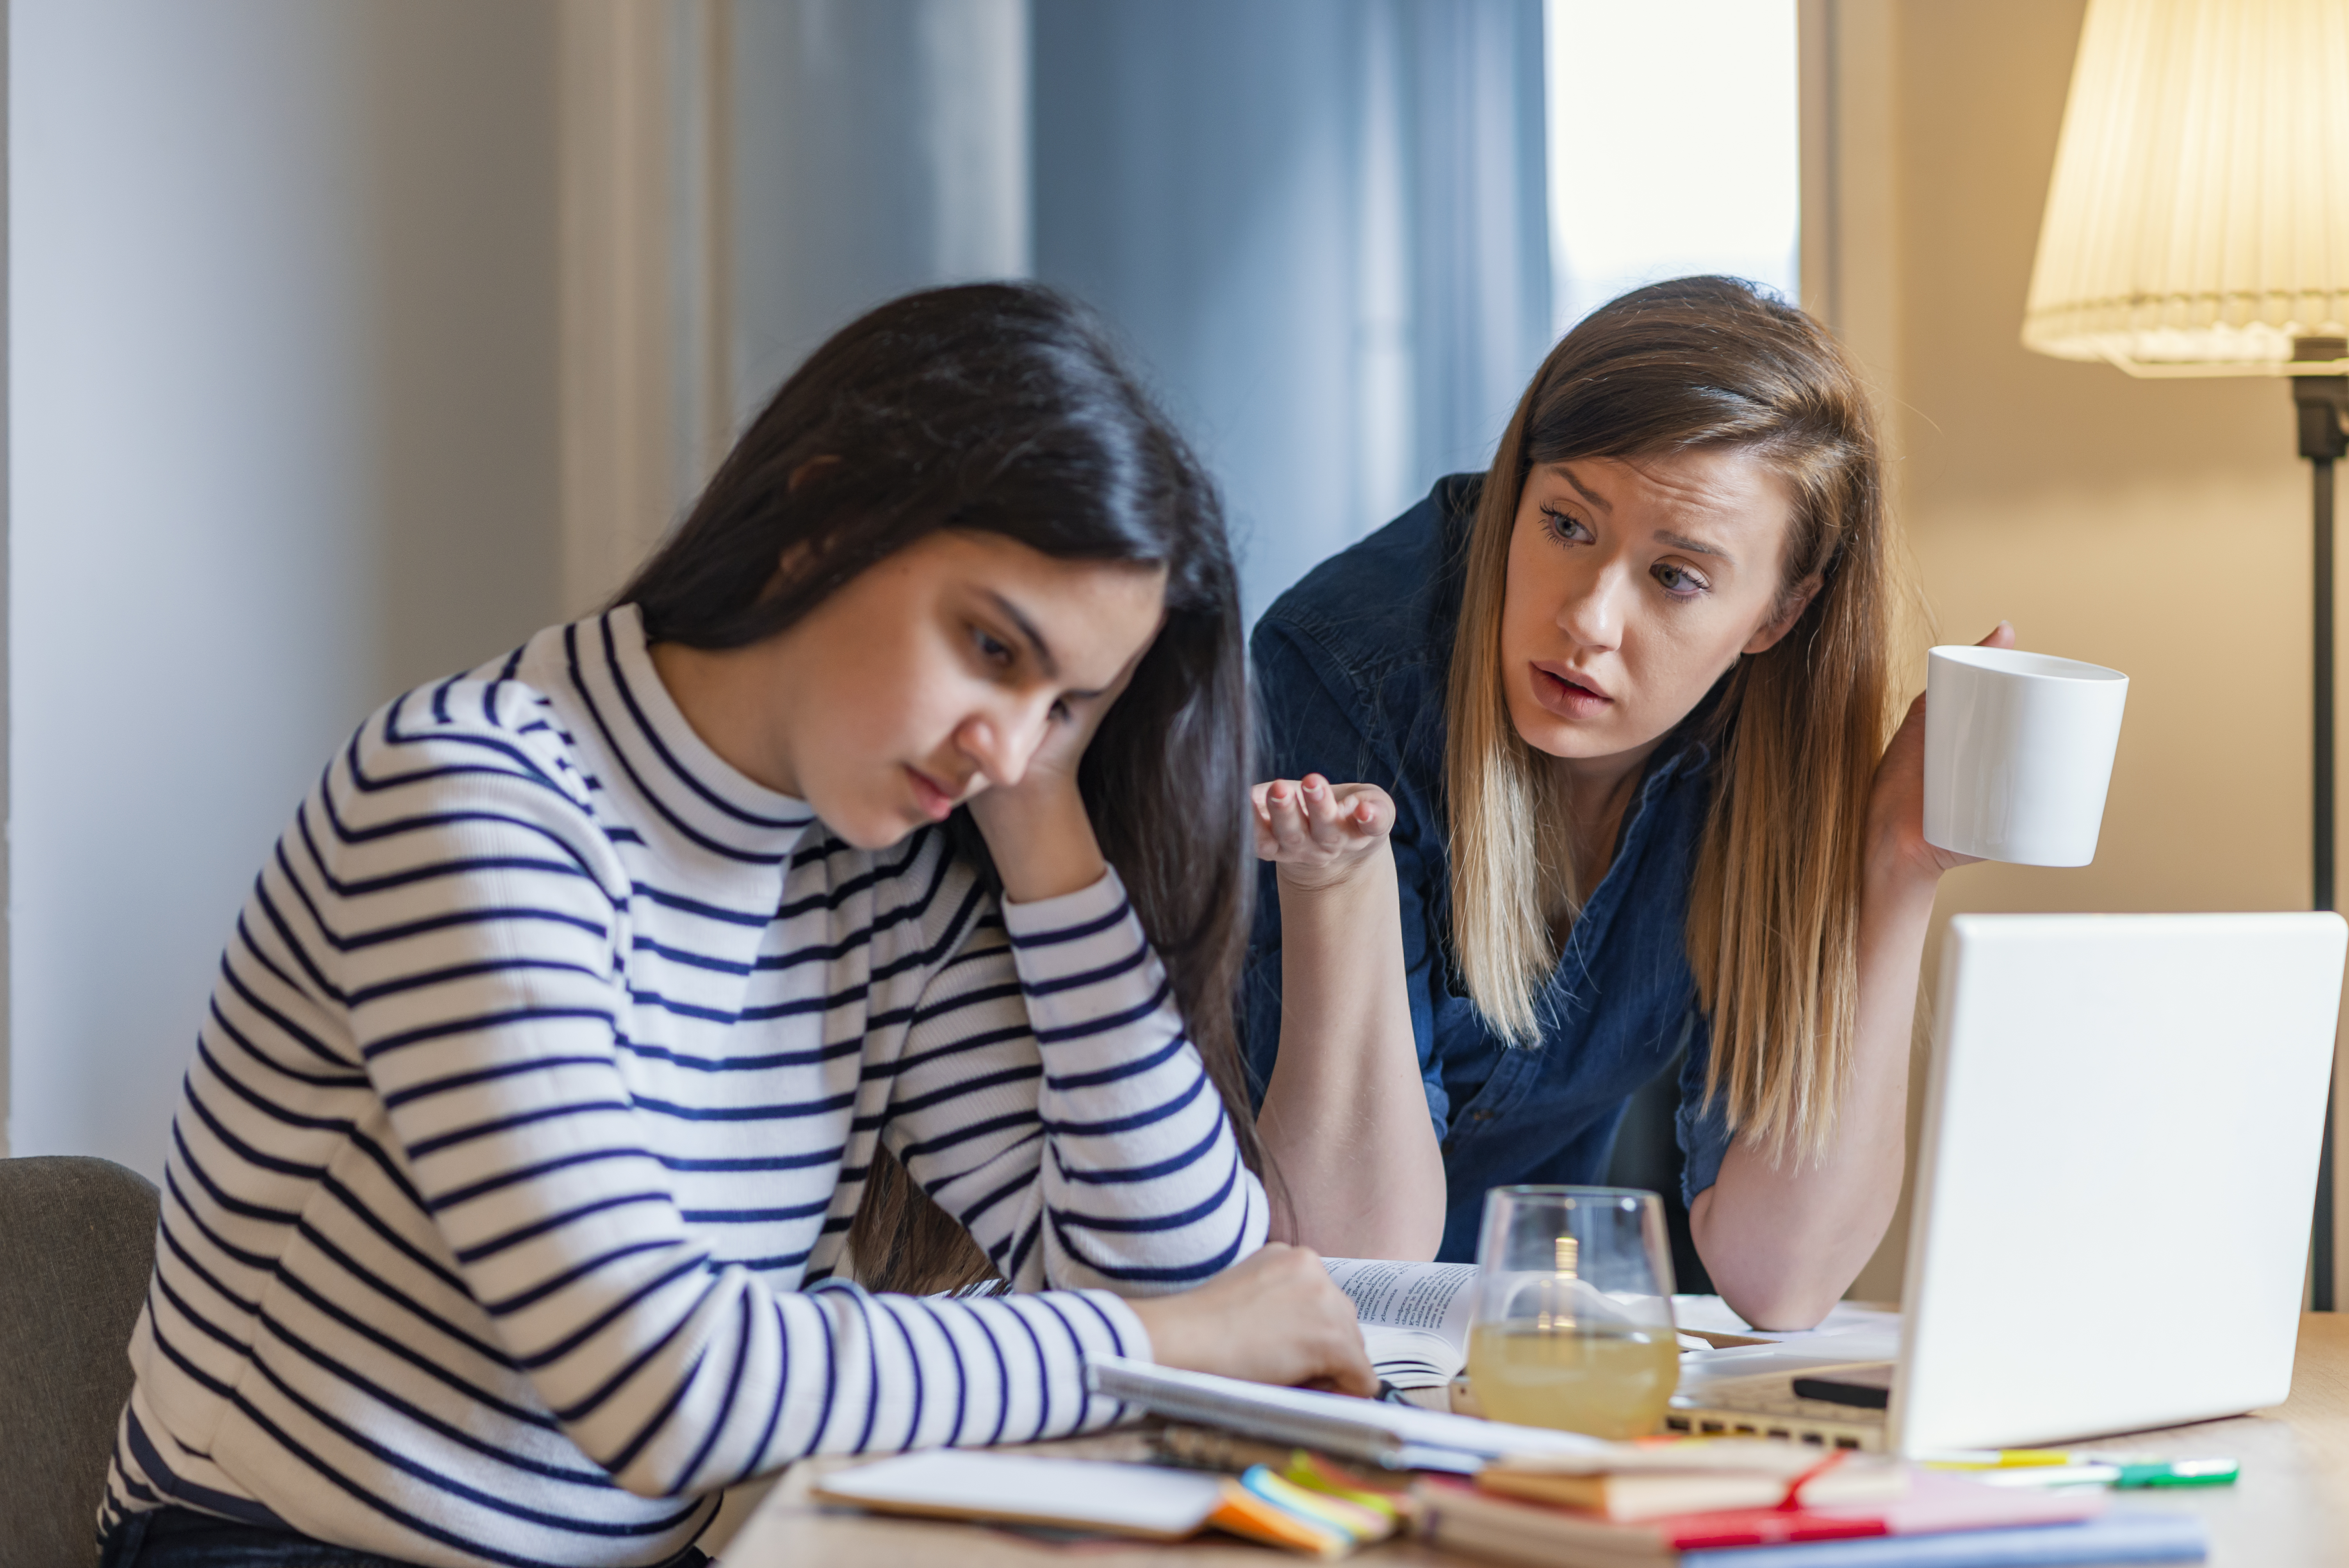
x,y
1896,808
2013,763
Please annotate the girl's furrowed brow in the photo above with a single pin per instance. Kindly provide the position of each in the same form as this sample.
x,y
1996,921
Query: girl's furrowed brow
x,y
1038,645
1027,629
1682,542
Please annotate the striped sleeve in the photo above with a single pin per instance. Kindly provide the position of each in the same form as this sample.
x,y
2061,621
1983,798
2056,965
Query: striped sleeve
x,y
1114,1165
480,948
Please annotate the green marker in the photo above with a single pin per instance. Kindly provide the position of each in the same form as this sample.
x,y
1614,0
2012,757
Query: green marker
x,y
2110,1470
2179,1472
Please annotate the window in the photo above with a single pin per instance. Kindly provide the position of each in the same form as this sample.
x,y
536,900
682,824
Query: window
x,y
1674,145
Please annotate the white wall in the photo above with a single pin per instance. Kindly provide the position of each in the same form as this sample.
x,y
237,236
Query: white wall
x,y
283,430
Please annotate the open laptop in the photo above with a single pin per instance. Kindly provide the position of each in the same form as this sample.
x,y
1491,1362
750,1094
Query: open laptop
x,y
2113,1193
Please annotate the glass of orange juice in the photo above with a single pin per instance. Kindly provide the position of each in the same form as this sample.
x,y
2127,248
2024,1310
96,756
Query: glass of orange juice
x,y
1573,1327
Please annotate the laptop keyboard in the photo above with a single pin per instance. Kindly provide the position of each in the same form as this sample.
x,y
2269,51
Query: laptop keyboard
x,y
1782,1403
1768,1407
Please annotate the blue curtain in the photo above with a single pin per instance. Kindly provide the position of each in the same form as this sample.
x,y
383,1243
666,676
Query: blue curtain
x,y
879,147
1322,225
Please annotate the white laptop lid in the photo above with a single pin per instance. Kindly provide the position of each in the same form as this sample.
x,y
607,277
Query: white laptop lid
x,y
2114,1191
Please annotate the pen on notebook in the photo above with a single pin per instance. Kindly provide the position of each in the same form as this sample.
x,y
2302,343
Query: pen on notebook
x,y
2056,1467
2008,1458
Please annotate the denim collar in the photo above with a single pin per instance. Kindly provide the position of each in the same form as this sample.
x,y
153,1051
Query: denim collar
x,y
1571,985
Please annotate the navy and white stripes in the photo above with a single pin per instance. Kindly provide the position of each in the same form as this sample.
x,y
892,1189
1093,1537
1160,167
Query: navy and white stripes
x,y
506,1201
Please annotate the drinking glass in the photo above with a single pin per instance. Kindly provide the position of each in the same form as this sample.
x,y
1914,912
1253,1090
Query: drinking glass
x,y
1573,1325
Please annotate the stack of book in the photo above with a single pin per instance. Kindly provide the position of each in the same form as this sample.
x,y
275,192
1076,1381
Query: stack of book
x,y
1528,1495
1863,1513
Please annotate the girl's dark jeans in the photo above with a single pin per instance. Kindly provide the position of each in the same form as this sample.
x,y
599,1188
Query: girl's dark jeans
x,y
180,1538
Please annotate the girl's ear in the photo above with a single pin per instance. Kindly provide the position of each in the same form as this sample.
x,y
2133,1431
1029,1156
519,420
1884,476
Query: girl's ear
x,y
808,471
788,565
1791,605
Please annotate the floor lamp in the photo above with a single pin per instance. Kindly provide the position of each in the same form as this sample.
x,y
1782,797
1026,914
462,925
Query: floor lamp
x,y
2197,225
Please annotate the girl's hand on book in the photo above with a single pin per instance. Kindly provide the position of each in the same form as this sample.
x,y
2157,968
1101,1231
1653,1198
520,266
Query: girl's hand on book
x,y
1320,834
1273,1317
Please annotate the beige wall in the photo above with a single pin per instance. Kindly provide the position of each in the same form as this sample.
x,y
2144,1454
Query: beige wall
x,y
2157,527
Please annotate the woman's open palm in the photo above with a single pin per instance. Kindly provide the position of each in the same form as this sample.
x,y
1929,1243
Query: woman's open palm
x,y
1319,833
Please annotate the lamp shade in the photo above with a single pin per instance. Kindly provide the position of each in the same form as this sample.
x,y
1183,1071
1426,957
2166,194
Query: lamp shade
x,y
2198,218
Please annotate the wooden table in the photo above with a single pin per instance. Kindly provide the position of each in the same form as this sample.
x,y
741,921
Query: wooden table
x,y
2291,1510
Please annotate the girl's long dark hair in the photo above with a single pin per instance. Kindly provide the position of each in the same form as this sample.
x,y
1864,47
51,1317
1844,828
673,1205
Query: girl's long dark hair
x,y
1001,409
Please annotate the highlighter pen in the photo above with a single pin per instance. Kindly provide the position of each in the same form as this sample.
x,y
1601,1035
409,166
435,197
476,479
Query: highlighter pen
x,y
2055,1467
2047,1476
2177,1472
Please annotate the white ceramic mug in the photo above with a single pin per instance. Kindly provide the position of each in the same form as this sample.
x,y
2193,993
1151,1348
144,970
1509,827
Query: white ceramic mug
x,y
2018,754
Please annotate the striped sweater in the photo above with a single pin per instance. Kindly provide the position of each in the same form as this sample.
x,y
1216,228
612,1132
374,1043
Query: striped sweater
x,y
505,1200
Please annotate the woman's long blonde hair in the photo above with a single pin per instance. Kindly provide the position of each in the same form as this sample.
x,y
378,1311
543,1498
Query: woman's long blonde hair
x,y
1796,731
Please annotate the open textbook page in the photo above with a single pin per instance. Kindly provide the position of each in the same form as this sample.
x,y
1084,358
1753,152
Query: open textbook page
x,y
1415,1320
1414,1315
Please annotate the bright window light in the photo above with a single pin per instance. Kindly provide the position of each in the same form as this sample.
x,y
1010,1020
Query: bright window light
x,y
1674,145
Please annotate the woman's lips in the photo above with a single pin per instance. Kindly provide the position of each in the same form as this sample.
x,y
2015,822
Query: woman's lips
x,y
1567,697
935,802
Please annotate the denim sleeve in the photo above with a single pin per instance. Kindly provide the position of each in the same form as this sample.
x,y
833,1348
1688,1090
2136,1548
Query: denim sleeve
x,y
1702,1128
1316,721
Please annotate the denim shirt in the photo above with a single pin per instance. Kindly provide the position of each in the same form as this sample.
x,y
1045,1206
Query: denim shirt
x,y
1351,669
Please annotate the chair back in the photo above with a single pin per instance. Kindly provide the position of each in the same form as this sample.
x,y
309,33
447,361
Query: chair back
x,y
77,1244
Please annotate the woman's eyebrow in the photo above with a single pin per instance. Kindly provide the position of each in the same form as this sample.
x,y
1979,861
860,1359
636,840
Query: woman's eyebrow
x,y
1682,542
1600,502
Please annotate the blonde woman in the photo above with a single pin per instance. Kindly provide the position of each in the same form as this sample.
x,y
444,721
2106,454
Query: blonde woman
x,y
1613,718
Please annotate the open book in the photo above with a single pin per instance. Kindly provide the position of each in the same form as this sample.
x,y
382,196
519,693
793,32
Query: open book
x,y
1415,1321
1414,1317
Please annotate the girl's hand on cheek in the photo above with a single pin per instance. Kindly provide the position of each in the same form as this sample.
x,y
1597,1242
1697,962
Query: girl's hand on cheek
x,y
1896,808
1053,768
1320,834
1037,828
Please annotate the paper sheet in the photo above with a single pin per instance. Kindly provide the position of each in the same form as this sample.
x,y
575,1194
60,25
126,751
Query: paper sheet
x,y
1850,1332
1089,1494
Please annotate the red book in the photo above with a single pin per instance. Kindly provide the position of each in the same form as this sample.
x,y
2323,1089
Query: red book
x,y
1460,1516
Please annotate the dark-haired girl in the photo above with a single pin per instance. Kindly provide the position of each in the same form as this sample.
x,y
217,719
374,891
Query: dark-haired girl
x,y
1622,701
857,900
